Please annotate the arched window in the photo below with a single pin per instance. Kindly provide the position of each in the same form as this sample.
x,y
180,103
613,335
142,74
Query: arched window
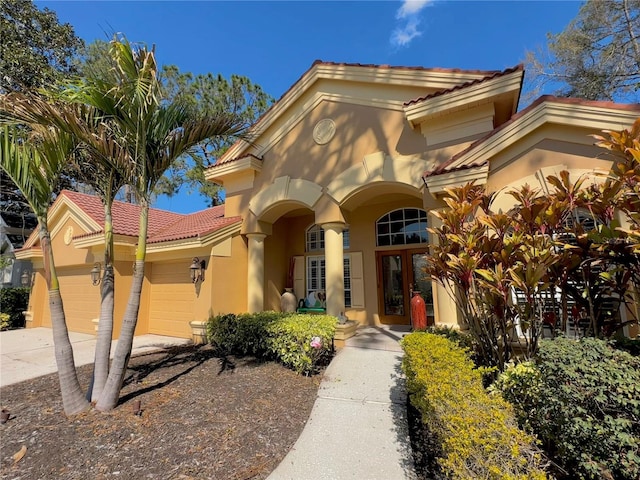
x,y
405,226
315,238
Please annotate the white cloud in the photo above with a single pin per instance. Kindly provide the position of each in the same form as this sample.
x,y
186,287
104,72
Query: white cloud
x,y
403,36
411,7
409,13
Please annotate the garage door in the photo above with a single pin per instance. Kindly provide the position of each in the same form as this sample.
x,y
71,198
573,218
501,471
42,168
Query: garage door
x,y
171,300
80,298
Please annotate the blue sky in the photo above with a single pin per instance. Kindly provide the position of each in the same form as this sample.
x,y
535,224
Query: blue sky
x,y
274,43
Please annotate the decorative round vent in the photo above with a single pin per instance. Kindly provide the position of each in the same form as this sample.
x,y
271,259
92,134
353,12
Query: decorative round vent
x,y
324,131
68,235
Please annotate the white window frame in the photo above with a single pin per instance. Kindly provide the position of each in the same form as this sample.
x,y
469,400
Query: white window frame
x,y
315,277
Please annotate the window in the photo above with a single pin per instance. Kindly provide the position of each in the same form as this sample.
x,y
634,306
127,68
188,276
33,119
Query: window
x,y
405,226
316,276
315,238
581,219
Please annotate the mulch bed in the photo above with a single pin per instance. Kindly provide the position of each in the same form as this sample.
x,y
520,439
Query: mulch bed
x,y
202,417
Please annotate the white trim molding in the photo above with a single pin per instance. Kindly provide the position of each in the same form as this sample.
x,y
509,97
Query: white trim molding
x,y
438,183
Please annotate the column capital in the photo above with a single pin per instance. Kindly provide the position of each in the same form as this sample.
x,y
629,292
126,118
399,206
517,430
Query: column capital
x,y
256,236
335,226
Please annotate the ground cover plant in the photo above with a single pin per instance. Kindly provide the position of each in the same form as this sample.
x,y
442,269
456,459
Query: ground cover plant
x,y
201,417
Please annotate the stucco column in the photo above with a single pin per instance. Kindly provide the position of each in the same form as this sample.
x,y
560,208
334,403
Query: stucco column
x,y
334,267
255,273
445,309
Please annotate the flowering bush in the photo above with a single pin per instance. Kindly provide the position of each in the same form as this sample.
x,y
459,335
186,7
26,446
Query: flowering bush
x,y
301,342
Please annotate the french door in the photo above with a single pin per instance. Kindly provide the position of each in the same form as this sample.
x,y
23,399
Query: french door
x,y
399,273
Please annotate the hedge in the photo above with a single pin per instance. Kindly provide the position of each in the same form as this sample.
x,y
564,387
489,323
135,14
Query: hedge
x,y
300,342
478,432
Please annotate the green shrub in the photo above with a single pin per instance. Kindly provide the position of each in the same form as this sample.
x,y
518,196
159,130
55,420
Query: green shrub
x,y
582,400
14,301
291,338
284,337
244,334
478,432
628,345
5,321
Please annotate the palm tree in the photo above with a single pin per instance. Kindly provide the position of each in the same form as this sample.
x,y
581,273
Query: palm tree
x,y
92,164
154,134
123,133
34,164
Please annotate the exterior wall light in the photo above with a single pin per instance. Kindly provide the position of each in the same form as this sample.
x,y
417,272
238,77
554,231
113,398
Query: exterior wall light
x,y
96,274
25,278
196,270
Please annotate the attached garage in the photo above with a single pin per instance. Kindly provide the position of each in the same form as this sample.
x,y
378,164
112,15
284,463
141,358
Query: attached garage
x,y
81,300
171,302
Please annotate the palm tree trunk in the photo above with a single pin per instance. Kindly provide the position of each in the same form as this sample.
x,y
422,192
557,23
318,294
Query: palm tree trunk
x,y
111,392
105,333
105,325
73,399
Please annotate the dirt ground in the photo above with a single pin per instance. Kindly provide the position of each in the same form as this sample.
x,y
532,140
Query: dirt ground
x,y
202,417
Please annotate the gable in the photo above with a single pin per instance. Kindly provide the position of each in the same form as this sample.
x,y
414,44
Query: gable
x,y
356,131
369,85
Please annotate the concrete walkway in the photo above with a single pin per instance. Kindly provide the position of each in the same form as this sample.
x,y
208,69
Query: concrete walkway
x,y
28,352
358,426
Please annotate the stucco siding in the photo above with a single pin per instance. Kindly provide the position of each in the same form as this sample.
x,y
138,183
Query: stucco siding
x,y
66,254
228,276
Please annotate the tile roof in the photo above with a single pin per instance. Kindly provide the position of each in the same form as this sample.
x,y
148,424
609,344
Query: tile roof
x,y
449,166
164,226
491,76
234,159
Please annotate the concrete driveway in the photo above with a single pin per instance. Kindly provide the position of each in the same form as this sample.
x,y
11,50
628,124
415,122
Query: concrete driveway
x,y
28,353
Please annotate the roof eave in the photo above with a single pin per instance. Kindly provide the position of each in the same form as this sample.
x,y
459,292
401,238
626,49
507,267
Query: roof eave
x,y
547,111
28,253
195,241
437,184
218,172
459,99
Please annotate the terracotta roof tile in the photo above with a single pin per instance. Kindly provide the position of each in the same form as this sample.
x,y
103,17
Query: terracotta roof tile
x,y
467,84
163,225
212,167
195,225
444,168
